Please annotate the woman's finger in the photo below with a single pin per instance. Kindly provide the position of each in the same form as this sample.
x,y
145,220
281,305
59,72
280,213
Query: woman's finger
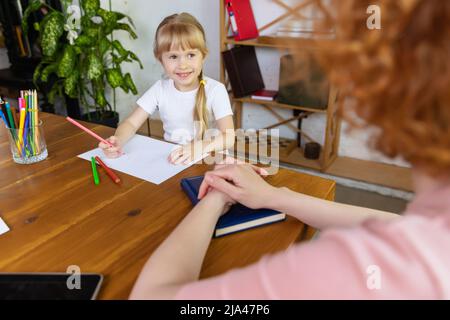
x,y
203,190
223,186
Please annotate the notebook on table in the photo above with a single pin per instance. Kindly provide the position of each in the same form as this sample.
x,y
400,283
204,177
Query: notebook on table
x,y
239,217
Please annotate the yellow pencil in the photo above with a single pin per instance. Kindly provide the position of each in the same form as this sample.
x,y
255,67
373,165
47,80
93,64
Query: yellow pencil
x,y
36,121
22,120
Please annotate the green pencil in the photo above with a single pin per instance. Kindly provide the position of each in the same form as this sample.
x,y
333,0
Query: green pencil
x,y
94,171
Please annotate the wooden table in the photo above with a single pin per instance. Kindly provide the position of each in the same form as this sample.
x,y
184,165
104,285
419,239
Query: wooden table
x,y
59,218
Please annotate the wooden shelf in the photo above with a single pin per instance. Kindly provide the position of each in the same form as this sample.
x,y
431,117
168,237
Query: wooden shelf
x,y
297,157
289,153
321,40
281,42
278,104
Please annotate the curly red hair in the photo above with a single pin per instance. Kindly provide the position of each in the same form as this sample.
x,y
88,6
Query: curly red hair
x,y
396,78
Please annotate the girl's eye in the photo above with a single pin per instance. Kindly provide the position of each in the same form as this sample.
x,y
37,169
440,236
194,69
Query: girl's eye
x,y
191,55
173,57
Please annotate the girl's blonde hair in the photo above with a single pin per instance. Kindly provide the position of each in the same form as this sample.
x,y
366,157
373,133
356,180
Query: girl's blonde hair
x,y
185,32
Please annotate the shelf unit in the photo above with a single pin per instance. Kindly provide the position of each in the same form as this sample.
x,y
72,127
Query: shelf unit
x,y
290,153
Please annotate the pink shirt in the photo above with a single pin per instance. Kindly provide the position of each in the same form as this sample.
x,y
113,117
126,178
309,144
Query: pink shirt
x,y
406,258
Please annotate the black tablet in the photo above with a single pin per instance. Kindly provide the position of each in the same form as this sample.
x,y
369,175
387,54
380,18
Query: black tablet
x,y
49,286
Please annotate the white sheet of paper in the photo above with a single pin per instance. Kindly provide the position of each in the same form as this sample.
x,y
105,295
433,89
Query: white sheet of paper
x,y
3,227
144,158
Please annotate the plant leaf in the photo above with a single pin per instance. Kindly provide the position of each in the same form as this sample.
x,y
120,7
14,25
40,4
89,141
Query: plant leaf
x,y
109,19
120,16
120,49
95,66
130,84
85,41
32,7
51,32
104,45
135,58
126,27
67,62
114,77
100,97
37,72
48,70
90,7
55,91
71,84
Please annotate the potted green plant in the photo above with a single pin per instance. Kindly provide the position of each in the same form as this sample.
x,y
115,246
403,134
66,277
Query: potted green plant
x,y
78,47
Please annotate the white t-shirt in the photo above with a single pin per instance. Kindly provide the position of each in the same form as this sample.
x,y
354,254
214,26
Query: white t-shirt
x,y
176,108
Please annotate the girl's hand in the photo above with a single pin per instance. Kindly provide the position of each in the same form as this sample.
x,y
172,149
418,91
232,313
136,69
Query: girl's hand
x,y
111,152
241,183
187,153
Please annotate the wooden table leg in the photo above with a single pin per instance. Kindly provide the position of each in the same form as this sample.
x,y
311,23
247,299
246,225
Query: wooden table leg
x,y
238,114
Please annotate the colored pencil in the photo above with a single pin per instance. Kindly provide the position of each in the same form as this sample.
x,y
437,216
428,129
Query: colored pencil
x,y
3,118
24,127
25,135
10,116
94,171
22,120
89,131
110,173
32,126
14,114
36,121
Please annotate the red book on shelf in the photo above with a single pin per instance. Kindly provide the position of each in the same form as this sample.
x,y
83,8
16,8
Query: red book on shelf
x,y
264,94
241,19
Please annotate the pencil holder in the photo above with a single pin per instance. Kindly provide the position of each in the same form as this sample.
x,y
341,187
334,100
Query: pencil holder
x,y
28,144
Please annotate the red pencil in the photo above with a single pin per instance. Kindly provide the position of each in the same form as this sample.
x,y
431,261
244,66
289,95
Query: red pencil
x,y
110,173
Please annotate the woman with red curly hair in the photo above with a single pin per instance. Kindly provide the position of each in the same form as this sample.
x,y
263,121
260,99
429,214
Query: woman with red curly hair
x,y
397,79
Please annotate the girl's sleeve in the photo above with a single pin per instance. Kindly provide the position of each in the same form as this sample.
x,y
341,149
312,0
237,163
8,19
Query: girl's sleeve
x,y
149,101
220,104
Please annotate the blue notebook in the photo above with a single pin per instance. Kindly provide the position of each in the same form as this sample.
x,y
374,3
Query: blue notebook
x,y
239,217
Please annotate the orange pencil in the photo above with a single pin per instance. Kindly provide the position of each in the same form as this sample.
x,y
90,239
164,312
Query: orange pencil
x,y
110,173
